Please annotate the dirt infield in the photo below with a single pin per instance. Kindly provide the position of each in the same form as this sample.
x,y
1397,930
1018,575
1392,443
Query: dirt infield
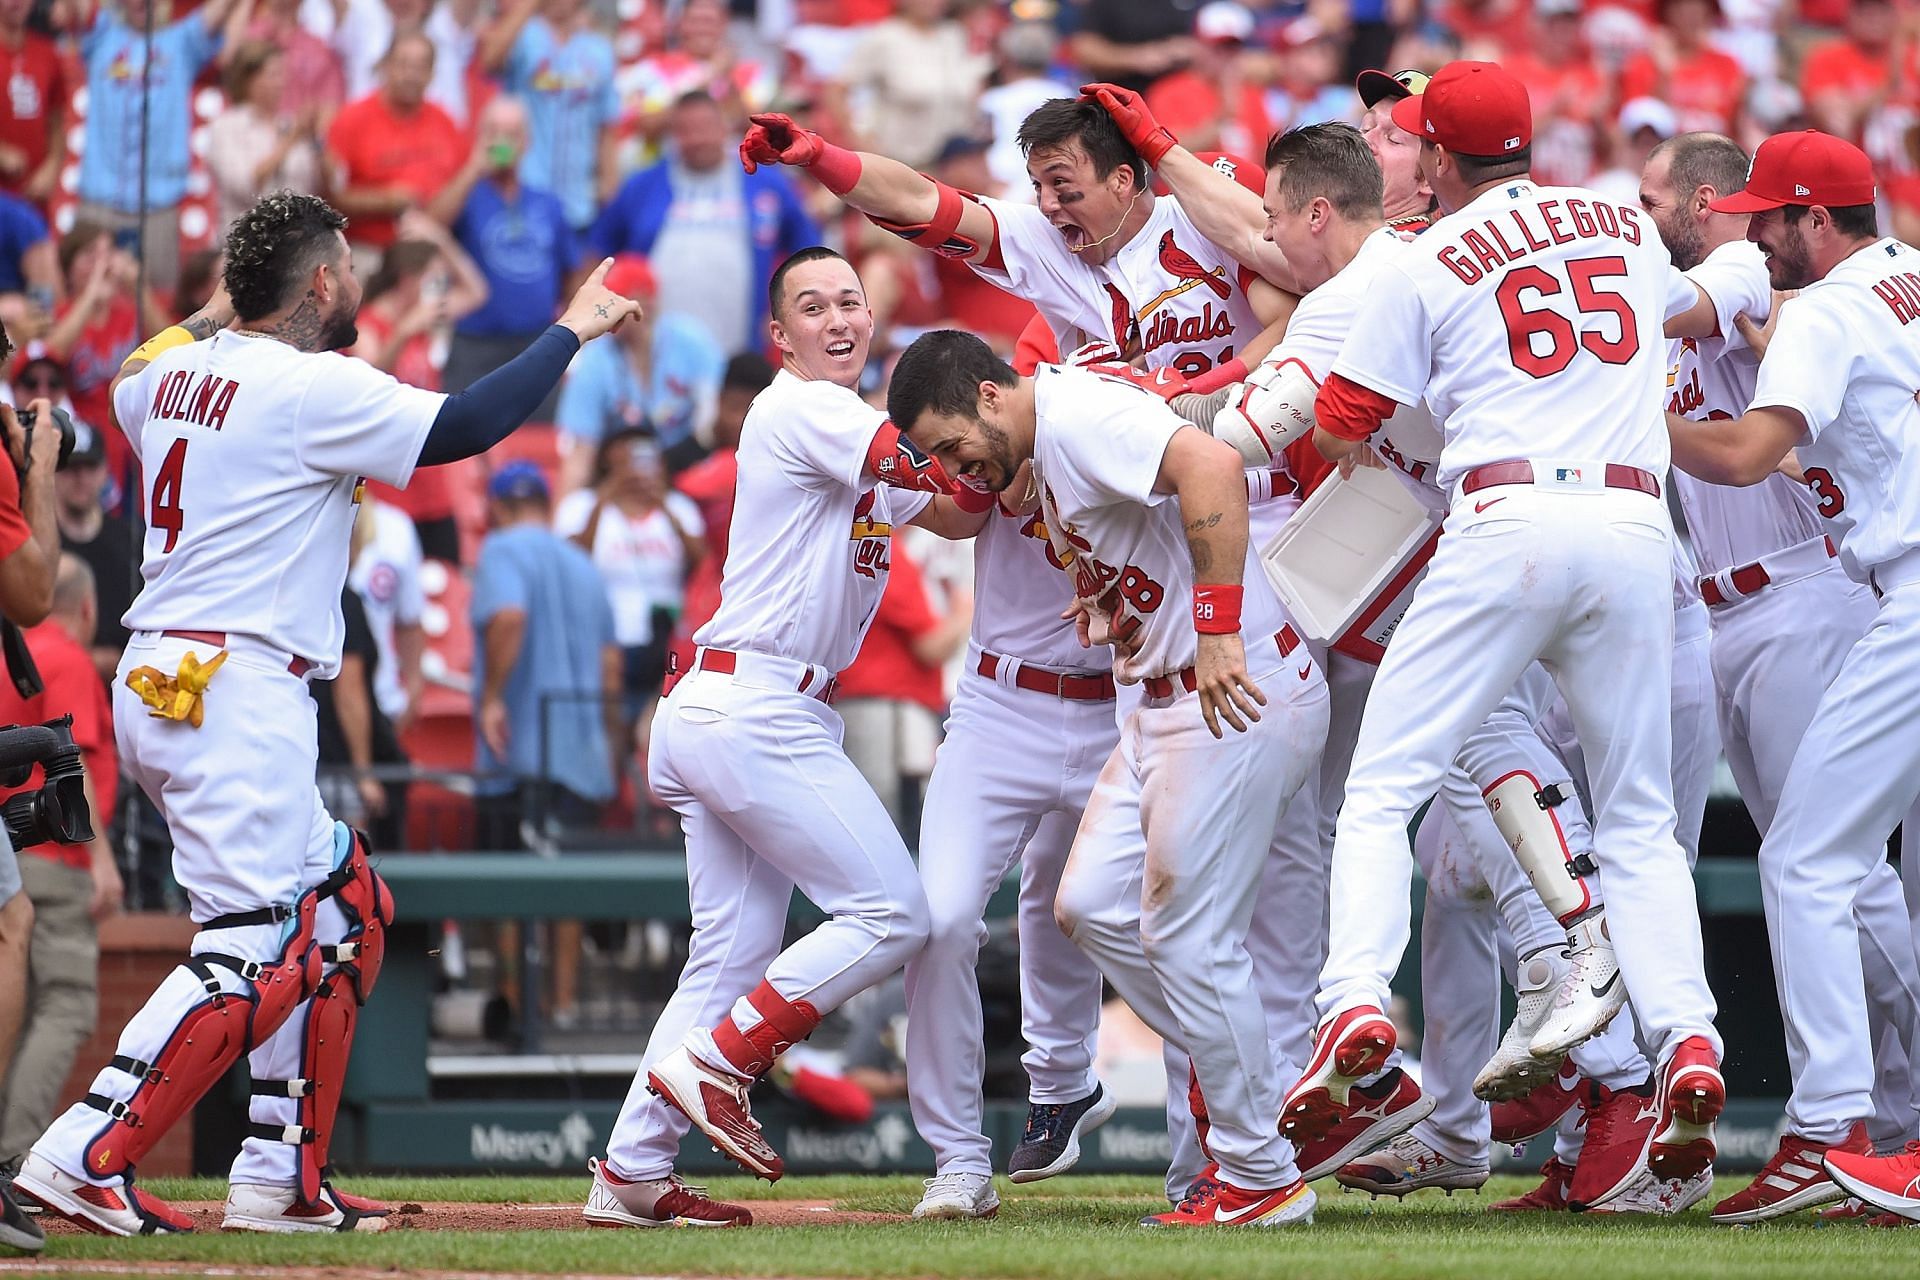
x,y
132,1270
455,1216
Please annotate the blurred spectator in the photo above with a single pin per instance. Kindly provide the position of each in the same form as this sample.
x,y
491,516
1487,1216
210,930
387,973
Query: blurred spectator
x,y
713,232
710,483
28,263
547,53
1024,81
1490,28
893,695
1844,79
33,112
1903,191
519,238
1569,92
392,149
98,325
123,93
914,83
1644,124
424,283
1682,68
699,54
1132,42
1210,104
644,540
1307,89
255,145
72,886
385,574
355,736
361,32
546,665
313,80
199,277
660,373
106,543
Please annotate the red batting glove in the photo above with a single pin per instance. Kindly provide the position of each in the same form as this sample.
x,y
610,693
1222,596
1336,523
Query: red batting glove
x,y
1129,110
773,138
1166,382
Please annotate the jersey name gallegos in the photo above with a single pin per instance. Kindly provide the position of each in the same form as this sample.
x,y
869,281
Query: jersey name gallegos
x,y
1526,230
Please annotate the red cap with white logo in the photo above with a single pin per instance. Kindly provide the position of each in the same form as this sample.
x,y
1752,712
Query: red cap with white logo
x,y
1804,168
1473,108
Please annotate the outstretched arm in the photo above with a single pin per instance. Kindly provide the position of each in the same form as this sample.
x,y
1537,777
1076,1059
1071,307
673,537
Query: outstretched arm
x,y
1738,451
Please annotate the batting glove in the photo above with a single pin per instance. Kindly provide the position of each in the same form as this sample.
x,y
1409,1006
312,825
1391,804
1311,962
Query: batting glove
x,y
1129,110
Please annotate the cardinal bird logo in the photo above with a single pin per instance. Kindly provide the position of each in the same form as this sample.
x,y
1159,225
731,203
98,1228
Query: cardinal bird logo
x,y
1126,326
1176,261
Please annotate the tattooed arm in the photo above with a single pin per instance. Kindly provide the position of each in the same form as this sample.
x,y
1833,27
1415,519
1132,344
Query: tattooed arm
x,y
198,327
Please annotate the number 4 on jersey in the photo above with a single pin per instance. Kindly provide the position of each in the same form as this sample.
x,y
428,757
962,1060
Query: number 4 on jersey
x,y
164,511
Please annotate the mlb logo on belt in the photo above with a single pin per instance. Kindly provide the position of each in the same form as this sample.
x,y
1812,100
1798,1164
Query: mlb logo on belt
x,y
1567,475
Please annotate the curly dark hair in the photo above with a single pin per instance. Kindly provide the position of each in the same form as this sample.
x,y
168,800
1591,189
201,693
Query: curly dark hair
x,y
273,246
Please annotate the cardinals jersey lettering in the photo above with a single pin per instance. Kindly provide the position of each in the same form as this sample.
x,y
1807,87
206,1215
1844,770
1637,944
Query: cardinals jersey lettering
x,y
252,453
1019,592
1710,378
1168,295
1098,445
808,550
1532,322
1845,356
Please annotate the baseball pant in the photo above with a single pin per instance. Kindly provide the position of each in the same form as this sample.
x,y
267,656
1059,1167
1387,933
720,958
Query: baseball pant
x,y
1161,885
768,801
1582,581
1008,785
63,999
1852,779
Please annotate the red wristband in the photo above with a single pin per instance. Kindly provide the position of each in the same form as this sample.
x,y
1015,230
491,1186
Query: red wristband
x,y
1234,370
971,500
838,169
1216,608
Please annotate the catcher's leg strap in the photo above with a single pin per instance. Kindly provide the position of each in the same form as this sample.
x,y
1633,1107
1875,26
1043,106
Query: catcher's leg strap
x,y
1523,809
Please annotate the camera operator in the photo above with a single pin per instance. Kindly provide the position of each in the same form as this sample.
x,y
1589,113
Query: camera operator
x,y
29,554
73,886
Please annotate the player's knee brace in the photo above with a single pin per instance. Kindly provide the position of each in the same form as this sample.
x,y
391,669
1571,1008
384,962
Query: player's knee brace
x,y
225,1005
1523,810
331,1016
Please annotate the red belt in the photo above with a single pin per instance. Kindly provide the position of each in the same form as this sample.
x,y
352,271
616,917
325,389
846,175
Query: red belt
x,y
1034,680
1747,579
1162,686
724,662
1520,471
218,639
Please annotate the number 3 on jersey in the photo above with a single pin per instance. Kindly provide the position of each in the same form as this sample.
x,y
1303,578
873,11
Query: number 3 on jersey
x,y
164,511
1524,325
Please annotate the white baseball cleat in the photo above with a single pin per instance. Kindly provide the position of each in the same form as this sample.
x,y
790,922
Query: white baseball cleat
x,y
716,1102
1406,1165
1587,998
958,1195
614,1201
1513,1072
116,1209
1660,1197
281,1211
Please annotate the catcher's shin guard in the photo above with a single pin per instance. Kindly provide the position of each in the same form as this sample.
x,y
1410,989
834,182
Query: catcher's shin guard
x,y
317,1041
201,1018
1523,810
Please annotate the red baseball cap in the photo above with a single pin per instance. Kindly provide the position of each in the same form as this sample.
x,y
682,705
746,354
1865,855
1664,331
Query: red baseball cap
x,y
1803,168
631,276
1239,168
1474,108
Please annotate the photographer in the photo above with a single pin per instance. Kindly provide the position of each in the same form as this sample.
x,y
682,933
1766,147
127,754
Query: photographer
x,y
29,552
73,886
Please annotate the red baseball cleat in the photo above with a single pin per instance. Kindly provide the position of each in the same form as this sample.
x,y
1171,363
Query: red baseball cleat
x,y
614,1201
1885,1182
716,1102
1692,1096
1535,1112
1213,1203
1620,1126
1375,1114
1349,1046
118,1210
1793,1180
1556,1179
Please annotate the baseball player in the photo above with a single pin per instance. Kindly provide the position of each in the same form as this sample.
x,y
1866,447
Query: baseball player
x,y
747,751
1521,298
1160,886
1837,384
254,442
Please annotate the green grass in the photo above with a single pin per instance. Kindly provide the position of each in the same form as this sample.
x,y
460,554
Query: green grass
x,y
1066,1229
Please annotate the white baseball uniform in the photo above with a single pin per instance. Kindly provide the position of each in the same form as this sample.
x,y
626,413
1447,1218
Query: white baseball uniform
x,y
1530,321
1022,749
387,576
1161,883
1844,358
747,750
253,455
